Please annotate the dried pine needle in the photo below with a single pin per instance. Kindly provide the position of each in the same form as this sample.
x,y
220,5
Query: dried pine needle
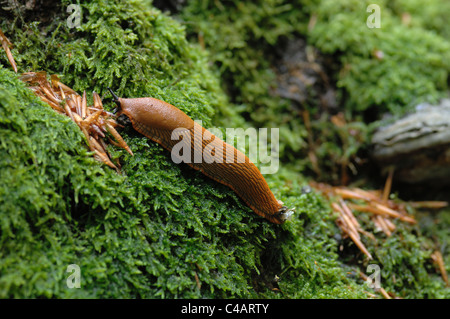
x,y
439,261
429,204
6,44
381,289
388,184
93,120
345,201
348,224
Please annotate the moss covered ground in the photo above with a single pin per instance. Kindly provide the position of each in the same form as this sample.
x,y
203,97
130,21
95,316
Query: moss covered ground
x,y
162,230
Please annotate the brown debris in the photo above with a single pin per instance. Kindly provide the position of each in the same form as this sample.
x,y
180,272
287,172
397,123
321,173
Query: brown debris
x,y
374,202
383,210
349,225
388,184
345,201
381,290
197,281
6,44
121,142
429,204
439,261
381,224
93,120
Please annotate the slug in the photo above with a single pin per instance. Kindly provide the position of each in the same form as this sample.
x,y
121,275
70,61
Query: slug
x,y
159,120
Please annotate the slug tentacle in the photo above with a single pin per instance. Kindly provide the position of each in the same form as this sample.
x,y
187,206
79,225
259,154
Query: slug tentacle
x,y
116,98
174,130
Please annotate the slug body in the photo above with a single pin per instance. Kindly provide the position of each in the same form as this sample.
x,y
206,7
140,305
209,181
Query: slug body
x,y
157,120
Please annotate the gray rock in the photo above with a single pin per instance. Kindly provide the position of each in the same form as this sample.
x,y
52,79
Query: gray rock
x,y
418,145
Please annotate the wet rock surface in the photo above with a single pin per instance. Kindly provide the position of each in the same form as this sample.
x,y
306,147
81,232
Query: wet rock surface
x,y
417,145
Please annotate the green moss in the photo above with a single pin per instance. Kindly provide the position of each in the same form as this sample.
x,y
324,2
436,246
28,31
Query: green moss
x,y
49,183
432,17
152,231
246,40
414,66
241,37
147,233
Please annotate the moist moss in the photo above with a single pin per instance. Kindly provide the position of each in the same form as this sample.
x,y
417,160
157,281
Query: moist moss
x,y
157,230
374,72
147,233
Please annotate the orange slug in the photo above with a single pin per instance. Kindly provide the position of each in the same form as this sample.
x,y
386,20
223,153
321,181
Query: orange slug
x,y
161,121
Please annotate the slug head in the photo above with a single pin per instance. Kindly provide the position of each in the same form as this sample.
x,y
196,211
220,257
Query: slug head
x,y
152,112
122,119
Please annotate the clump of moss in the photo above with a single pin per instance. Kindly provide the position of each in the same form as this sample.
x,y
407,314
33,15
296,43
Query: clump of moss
x,y
378,70
374,71
148,233
50,189
431,17
388,68
159,229
241,37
